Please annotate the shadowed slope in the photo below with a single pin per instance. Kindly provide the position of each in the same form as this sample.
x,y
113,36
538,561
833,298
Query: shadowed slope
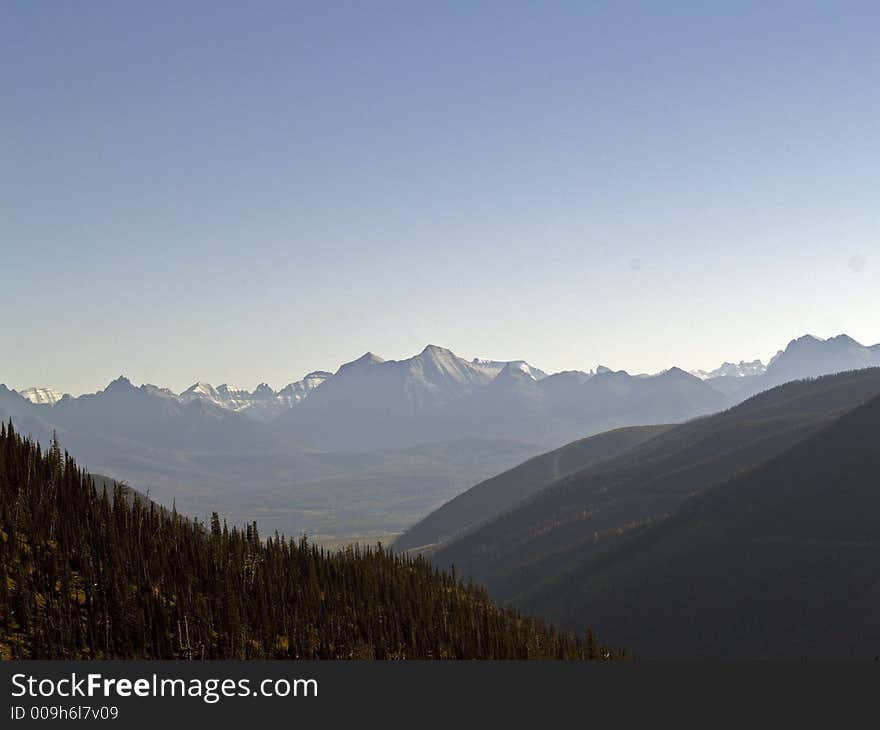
x,y
587,512
489,498
781,561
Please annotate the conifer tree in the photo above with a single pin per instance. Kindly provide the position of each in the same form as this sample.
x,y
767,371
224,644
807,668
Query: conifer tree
x,y
95,573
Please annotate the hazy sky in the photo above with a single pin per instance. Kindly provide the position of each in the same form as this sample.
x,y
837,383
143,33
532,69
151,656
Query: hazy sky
x,y
244,192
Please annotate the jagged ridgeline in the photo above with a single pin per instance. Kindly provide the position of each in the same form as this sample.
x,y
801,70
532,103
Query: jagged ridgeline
x,y
89,573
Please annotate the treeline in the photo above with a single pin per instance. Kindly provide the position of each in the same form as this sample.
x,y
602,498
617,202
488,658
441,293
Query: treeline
x,y
92,574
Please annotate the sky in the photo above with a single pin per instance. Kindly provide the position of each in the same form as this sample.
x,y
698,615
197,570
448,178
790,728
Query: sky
x,y
245,192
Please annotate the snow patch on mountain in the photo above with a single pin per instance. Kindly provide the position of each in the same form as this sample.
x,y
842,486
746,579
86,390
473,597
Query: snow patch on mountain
x,y
739,369
41,396
292,394
155,390
263,403
497,366
200,391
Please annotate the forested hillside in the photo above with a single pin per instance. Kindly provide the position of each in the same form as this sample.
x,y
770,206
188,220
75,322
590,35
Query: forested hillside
x,y
93,574
781,561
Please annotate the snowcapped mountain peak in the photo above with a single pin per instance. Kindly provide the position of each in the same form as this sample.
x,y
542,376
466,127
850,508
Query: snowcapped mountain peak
x,y
516,370
227,396
199,390
740,369
499,365
262,404
230,390
41,396
440,367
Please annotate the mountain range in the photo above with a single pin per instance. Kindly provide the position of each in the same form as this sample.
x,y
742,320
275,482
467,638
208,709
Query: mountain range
x,y
379,443
437,375
263,403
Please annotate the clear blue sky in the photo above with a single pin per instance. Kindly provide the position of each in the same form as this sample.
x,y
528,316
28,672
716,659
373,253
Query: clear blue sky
x,y
248,191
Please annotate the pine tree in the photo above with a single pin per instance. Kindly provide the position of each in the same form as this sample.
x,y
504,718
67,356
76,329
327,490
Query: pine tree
x,y
91,573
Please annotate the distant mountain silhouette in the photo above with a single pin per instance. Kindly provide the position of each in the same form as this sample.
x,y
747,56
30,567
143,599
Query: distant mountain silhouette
x,y
805,357
373,403
809,356
145,415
